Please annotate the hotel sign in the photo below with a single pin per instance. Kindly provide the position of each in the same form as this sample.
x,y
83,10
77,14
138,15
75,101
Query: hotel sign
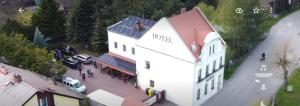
x,y
162,38
208,79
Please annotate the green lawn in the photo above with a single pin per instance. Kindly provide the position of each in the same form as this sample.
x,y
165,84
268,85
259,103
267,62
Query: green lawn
x,y
291,98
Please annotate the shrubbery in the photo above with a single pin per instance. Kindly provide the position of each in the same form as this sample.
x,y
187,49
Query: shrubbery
x,y
16,50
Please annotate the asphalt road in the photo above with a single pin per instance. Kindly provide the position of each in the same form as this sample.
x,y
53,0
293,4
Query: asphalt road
x,y
245,88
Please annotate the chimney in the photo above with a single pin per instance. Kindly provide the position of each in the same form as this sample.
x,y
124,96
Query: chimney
x,y
182,10
17,78
50,85
139,25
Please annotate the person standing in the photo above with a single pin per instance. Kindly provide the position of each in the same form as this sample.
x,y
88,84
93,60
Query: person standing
x,y
83,76
79,69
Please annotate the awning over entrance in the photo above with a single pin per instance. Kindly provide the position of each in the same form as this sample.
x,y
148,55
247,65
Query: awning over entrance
x,y
118,64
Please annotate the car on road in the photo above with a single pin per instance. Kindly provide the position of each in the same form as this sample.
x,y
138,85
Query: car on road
x,y
72,63
74,85
68,50
84,58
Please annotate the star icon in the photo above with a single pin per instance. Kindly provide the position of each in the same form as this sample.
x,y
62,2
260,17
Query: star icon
x,y
255,10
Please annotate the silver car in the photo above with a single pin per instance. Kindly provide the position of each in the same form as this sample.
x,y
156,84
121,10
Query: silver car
x,y
84,58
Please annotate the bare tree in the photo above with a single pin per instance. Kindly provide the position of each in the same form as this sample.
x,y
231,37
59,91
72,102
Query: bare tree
x,y
282,59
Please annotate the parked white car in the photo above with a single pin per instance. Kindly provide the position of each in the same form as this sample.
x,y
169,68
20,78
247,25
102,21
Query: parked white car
x,y
74,84
84,58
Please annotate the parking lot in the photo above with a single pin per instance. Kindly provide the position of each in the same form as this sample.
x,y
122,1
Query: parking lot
x,y
105,82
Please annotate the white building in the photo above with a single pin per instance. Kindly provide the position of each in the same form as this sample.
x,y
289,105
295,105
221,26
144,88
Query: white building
x,y
182,55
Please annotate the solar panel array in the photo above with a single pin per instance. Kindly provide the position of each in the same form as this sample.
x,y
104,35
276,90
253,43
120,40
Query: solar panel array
x,y
119,63
127,27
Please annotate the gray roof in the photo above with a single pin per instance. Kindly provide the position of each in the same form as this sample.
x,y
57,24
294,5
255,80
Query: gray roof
x,y
14,95
126,27
19,93
122,65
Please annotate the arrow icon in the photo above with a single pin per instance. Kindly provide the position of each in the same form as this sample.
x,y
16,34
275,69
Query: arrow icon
x,y
21,10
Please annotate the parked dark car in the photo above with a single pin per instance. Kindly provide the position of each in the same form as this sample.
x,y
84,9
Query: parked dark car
x,y
68,50
58,54
72,63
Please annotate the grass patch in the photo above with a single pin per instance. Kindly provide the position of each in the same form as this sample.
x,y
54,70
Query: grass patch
x,y
290,98
229,70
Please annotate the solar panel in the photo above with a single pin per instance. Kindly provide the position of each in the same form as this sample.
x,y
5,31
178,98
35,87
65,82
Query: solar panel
x,y
127,26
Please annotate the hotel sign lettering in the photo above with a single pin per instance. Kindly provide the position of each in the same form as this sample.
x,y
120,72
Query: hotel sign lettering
x,y
162,38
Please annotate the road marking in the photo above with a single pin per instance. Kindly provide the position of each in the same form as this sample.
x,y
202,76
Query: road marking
x,y
263,75
257,81
263,87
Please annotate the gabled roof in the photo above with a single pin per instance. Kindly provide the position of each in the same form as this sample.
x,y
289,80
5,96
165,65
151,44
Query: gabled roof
x,y
127,27
193,27
31,83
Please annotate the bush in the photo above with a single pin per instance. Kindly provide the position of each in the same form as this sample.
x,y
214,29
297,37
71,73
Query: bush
x,y
21,53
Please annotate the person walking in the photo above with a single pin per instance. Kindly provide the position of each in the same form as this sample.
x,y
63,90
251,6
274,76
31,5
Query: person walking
x,y
83,76
263,56
80,70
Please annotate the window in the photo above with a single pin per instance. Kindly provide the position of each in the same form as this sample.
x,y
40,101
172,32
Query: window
x,y
116,44
221,61
198,94
199,76
207,70
124,48
214,66
133,51
213,84
210,50
147,65
43,101
213,48
151,83
205,90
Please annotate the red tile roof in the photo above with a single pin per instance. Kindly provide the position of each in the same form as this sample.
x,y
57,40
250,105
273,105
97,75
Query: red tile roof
x,y
192,27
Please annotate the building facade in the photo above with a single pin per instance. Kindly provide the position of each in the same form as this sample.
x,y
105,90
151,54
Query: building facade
x,y
182,55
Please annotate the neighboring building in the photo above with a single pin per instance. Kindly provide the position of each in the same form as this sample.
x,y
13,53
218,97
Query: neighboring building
x,y
182,55
103,98
31,90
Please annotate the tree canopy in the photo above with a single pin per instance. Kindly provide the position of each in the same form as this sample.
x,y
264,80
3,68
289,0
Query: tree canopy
x,y
49,19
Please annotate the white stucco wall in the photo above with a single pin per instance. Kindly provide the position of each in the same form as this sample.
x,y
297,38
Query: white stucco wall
x,y
171,63
168,73
121,40
206,59
176,48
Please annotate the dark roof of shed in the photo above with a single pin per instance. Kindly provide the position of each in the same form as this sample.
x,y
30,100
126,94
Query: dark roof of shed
x,y
126,27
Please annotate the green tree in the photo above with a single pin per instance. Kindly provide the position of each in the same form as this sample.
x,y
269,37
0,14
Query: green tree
x,y
39,38
98,39
20,52
242,31
49,19
80,21
10,26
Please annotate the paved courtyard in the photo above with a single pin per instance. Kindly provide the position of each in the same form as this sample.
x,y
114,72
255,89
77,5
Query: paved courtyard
x,y
245,88
105,82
